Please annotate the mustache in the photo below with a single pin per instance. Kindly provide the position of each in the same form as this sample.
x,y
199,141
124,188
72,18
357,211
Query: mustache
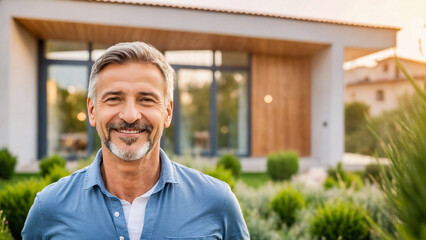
x,y
137,125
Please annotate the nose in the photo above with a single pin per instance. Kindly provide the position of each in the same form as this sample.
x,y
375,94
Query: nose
x,y
130,113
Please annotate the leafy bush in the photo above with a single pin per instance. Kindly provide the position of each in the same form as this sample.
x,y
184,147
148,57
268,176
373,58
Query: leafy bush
x,y
339,221
260,228
7,164
4,229
47,163
405,184
222,174
286,203
373,174
56,172
337,173
231,162
282,165
338,177
16,200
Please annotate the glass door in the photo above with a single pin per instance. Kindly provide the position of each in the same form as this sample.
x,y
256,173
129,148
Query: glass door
x,y
66,89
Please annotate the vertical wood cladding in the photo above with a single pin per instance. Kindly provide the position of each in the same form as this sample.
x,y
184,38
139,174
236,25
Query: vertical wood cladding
x,y
283,124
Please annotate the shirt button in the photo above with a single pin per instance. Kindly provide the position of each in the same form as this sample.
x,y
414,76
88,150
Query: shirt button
x,y
121,238
116,214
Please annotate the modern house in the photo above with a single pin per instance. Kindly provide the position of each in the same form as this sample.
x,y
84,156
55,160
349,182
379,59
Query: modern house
x,y
382,85
246,82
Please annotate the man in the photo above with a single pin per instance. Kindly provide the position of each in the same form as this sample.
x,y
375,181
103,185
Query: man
x,y
132,190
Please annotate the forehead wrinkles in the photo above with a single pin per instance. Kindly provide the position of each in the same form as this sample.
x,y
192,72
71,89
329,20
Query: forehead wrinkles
x,y
131,72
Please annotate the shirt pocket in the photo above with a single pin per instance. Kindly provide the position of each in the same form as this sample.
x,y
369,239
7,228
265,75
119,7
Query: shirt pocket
x,y
209,237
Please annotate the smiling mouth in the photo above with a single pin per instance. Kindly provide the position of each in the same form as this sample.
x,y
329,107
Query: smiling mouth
x,y
126,131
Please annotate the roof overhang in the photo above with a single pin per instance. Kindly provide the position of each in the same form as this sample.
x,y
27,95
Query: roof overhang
x,y
164,39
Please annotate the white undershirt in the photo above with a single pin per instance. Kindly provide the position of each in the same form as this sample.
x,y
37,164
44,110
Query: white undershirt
x,y
135,214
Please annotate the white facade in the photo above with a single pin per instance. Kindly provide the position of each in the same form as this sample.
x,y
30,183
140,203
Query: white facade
x,y
381,86
18,65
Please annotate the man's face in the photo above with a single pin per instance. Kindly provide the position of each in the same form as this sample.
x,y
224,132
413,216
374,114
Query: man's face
x,y
130,110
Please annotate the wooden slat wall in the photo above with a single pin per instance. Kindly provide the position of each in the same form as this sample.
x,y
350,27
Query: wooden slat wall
x,y
284,123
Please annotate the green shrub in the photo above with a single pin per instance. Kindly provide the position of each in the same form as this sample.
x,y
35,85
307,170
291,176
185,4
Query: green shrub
x,y
339,221
338,177
47,163
231,162
4,229
351,180
56,172
405,185
16,200
260,228
373,173
330,183
7,164
222,174
282,165
286,203
337,173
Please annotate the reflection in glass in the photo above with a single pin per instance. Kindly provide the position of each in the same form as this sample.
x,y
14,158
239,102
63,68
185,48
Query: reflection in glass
x,y
67,50
98,50
193,57
194,100
232,112
66,108
231,59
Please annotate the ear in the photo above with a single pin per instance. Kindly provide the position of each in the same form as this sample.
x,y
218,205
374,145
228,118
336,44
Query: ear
x,y
169,113
90,110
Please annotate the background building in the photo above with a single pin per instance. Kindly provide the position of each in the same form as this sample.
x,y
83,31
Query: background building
x,y
248,83
382,86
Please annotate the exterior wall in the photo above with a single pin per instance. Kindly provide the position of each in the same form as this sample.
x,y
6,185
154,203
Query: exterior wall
x,y
18,88
284,123
327,124
23,94
367,93
5,25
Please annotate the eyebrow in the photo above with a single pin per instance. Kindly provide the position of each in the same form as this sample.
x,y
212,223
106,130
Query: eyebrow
x,y
148,94
115,93
118,93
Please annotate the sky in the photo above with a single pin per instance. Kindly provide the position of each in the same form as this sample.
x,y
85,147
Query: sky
x,y
409,15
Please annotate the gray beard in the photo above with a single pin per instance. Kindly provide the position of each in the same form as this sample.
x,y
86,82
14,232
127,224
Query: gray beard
x,y
129,155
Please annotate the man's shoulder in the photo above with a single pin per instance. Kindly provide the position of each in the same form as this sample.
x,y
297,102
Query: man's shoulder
x,y
195,178
60,191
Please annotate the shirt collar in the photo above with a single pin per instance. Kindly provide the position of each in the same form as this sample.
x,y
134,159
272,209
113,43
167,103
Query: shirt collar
x,y
93,174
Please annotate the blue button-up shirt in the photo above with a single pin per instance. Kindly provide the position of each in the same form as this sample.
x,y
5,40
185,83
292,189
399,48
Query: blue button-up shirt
x,y
185,204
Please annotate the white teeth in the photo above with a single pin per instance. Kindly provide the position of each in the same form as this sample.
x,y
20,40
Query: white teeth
x,y
128,131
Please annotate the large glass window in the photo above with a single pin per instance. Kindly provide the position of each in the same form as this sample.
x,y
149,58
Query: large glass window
x,y
211,114
66,108
232,112
194,114
66,50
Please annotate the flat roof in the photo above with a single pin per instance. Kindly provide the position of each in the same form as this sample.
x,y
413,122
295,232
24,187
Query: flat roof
x,y
221,10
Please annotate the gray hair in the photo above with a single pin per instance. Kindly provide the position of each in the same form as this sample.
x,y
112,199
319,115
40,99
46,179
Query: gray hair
x,y
132,52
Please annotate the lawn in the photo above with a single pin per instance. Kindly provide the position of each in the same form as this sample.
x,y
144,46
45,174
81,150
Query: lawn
x,y
256,179
18,177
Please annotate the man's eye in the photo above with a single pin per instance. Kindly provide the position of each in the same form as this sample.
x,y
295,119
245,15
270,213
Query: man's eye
x,y
147,100
113,99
